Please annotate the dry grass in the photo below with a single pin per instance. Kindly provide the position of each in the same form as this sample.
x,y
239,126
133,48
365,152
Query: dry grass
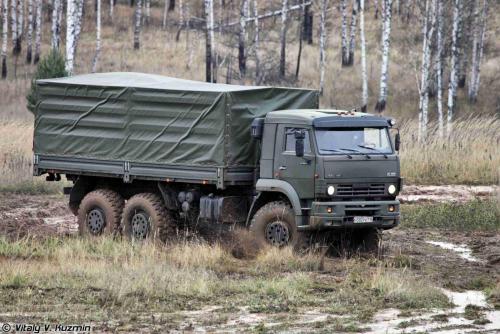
x,y
470,156
63,276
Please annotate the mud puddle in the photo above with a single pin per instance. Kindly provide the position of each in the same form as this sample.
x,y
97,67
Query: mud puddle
x,y
462,250
446,194
470,314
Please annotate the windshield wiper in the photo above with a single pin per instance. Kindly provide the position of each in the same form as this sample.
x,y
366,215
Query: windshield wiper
x,y
374,149
334,150
357,151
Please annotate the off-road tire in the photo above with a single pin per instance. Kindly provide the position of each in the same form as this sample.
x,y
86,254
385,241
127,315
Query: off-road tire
x,y
110,203
270,213
161,221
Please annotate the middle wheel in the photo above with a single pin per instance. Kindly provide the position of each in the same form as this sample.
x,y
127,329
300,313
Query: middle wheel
x,y
145,217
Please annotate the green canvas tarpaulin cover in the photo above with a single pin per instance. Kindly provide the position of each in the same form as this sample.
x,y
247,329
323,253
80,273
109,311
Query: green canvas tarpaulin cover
x,y
155,119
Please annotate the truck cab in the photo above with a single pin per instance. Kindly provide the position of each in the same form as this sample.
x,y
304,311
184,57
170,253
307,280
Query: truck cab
x,y
338,169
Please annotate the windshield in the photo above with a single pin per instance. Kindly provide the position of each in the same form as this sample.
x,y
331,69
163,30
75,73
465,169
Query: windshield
x,y
353,141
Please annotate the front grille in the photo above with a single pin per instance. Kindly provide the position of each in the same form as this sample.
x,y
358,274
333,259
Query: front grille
x,y
354,190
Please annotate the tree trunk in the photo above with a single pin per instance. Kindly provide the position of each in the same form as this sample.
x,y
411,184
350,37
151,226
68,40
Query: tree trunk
x,y
344,45
242,59
477,51
322,42
423,105
97,37
148,11
364,74
256,41
284,20
352,40
301,35
307,29
5,36
16,47
182,20
165,15
20,22
111,9
38,31
29,38
137,28
209,56
386,43
71,14
439,66
171,5
375,4
55,24
455,52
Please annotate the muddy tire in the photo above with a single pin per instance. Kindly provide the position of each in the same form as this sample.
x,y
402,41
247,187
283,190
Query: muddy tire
x,y
274,224
100,213
145,217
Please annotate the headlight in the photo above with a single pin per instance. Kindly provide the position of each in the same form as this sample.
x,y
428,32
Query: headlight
x,y
391,189
330,190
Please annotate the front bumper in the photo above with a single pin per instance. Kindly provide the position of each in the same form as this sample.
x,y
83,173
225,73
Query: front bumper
x,y
343,213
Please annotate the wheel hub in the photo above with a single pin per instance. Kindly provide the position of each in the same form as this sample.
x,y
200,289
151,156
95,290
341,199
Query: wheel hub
x,y
96,221
140,225
277,233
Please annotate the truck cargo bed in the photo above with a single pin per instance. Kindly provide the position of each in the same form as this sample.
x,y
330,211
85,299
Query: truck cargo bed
x,y
145,126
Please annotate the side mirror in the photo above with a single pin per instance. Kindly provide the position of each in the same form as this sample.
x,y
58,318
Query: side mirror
x,y
299,142
397,141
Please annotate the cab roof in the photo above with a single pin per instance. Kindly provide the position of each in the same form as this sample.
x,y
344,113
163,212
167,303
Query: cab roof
x,y
325,118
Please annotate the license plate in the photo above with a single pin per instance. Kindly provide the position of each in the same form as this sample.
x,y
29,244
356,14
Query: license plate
x,y
363,219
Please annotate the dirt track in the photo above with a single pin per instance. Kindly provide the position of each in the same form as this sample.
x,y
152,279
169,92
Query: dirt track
x,y
456,261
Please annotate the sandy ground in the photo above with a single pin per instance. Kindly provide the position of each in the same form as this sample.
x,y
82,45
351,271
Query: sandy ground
x,y
455,261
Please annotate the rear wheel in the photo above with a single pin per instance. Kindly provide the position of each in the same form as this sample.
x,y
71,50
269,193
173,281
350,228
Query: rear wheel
x,y
145,217
100,212
274,224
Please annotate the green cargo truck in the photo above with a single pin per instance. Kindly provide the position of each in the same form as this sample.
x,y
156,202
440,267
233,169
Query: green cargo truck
x,y
146,153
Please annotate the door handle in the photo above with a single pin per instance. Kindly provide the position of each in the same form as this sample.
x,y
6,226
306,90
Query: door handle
x,y
282,168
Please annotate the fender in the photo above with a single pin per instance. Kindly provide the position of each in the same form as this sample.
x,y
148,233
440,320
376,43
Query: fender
x,y
273,185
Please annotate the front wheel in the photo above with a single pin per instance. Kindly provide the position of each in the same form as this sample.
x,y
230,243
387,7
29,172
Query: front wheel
x,y
274,224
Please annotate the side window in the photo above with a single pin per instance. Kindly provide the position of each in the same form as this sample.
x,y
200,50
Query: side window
x,y
290,141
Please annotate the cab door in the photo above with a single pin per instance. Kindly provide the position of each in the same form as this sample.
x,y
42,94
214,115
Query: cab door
x,y
298,171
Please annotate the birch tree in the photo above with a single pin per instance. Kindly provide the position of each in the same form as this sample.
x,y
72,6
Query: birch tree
x,y
352,39
71,11
242,58
284,18
97,37
322,45
427,30
439,65
29,38
386,43
137,27
477,49
182,20
55,24
148,10
38,31
20,23
455,52
344,47
256,41
5,36
165,14
16,42
209,62
111,9
364,74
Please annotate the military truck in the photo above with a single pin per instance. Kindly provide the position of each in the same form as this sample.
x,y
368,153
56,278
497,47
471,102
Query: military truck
x,y
147,153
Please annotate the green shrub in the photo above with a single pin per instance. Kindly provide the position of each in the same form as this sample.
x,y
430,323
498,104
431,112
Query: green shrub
x,y
50,66
474,215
